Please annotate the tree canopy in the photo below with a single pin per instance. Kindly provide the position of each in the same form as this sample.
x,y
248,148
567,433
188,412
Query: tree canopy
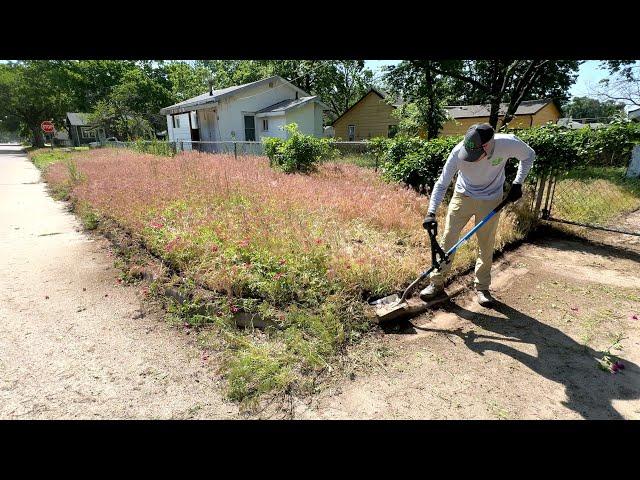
x,y
489,82
585,107
126,95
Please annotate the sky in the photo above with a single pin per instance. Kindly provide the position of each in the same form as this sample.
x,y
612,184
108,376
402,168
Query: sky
x,y
589,74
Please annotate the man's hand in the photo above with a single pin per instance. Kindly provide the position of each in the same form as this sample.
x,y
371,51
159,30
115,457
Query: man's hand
x,y
429,220
515,193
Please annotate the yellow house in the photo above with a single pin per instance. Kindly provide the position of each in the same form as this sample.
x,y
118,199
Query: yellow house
x,y
529,114
367,118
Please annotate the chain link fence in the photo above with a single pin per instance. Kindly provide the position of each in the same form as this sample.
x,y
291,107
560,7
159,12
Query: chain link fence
x,y
597,197
358,153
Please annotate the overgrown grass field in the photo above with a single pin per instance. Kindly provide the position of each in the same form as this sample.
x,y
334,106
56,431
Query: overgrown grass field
x,y
596,195
306,251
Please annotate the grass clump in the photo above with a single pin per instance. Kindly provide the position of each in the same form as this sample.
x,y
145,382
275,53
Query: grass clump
x,y
595,195
44,157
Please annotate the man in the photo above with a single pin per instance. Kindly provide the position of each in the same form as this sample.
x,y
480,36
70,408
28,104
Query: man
x,y
479,160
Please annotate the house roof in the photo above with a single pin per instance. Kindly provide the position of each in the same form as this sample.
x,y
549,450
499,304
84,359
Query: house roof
x,y
378,92
77,118
527,107
285,105
217,95
634,113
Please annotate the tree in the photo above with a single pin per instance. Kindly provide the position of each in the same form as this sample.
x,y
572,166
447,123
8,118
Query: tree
x,y
585,107
186,81
132,108
418,83
33,91
624,86
508,81
227,73
90,81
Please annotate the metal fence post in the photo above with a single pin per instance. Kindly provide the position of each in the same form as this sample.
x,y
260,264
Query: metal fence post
x,y
539,194
235,150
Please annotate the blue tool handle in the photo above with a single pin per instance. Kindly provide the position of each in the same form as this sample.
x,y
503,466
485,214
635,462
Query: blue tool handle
x,y
477,227
463,239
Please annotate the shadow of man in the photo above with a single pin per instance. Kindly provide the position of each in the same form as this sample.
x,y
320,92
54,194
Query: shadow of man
x,y
589,390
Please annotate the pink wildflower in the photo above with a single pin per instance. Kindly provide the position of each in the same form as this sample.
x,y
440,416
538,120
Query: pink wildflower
x,y
157,224
234,309
278,276
214,248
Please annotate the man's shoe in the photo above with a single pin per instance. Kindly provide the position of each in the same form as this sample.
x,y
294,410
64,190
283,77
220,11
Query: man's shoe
x,y
484,298
432,292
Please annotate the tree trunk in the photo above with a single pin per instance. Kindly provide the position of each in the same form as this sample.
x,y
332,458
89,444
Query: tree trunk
x,y
497,90
38,138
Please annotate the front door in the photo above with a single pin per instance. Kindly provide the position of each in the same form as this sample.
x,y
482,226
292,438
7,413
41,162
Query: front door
x,y
250,128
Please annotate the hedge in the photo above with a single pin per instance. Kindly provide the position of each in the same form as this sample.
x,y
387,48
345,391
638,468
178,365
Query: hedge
x,y
418,163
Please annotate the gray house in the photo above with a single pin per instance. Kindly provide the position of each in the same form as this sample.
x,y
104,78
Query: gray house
x,y
82,131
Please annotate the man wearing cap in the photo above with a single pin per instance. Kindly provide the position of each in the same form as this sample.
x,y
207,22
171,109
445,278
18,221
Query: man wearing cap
x,y
479,160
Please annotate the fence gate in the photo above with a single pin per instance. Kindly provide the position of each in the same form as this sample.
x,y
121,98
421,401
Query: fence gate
x,y
602,199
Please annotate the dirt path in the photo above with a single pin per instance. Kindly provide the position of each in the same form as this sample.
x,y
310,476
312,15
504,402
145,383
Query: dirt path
x,y
73,343
533,357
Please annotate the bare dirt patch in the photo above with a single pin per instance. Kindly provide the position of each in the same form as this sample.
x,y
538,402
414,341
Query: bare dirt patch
x,y
562,302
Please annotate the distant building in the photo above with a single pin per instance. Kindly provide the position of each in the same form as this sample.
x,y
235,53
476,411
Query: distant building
x,y
82,131
634,115
244,113
530,113
369,117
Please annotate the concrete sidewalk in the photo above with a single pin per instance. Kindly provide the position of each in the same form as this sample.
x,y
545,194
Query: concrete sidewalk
x,y
72,344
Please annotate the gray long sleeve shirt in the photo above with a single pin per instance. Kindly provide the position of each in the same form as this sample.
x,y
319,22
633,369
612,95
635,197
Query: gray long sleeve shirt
x,y
485,178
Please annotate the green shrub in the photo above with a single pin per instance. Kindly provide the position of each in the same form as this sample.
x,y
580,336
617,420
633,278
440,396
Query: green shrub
x,y
414,161
154,147
418,163
299,152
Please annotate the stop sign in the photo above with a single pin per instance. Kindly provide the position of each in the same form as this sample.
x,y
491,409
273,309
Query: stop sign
x,y
47,126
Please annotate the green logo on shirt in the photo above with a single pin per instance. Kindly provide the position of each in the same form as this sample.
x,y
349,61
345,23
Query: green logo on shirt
x,y
496,161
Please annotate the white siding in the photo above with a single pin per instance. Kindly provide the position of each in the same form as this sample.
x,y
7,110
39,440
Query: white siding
x,y
182,134
275,127
231,111
304,116
208,125
319,129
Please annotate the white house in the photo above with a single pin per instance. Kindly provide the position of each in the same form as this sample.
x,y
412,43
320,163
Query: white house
x,y
244,113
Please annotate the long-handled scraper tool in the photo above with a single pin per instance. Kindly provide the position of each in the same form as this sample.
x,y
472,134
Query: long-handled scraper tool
x,y
394,307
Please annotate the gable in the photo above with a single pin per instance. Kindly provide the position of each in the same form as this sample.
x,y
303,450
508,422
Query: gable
x,y
372,105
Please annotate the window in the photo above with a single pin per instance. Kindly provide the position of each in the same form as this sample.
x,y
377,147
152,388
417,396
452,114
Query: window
x,y
250,128
351,131
194,119
265,125
393,130
87,133
176,121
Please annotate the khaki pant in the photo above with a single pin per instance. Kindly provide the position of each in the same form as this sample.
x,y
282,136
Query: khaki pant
x,y
461,209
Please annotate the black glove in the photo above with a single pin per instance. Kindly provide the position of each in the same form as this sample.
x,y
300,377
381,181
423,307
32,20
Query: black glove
x,y
429,220
515,193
